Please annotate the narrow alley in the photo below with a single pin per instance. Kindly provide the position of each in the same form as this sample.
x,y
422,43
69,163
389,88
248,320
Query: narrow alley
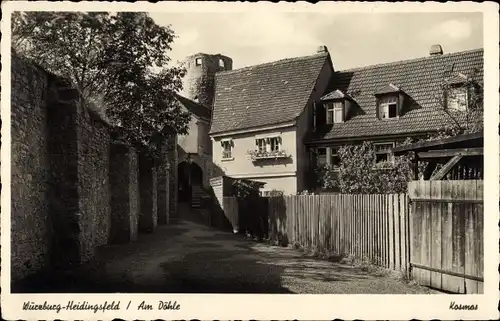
x,y
188,257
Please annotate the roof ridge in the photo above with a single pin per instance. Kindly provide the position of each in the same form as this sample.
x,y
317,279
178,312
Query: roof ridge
x,y
280,61
385,64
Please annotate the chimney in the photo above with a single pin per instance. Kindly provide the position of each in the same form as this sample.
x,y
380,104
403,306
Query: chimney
x,y
436,50
322,49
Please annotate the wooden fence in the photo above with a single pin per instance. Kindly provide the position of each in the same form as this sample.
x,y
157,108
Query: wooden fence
x,y
446,224
371,227
230,207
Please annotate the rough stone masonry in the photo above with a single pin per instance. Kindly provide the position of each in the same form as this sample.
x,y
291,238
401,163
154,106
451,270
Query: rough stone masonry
x,y
68,177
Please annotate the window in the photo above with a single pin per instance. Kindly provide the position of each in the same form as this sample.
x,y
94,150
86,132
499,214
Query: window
x,y
457,99
388,107
327,156
221,63
321,157
269,144
334,112
261,145
383,153
334,158
274,144
198,61
227,146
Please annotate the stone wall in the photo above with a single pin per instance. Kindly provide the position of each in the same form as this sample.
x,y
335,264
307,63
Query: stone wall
x,y
93,182
71,190
148,214
123,176
173,160
30,168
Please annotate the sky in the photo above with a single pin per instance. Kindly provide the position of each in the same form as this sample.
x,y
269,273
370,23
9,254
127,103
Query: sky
x,y
353,40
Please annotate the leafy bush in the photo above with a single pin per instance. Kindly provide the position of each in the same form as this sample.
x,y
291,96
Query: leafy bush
x,y
358,172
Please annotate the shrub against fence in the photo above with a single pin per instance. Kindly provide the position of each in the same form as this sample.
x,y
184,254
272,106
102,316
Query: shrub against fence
x,y
373,227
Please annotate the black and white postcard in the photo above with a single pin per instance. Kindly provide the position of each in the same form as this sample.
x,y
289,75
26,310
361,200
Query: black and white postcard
x,y
252,161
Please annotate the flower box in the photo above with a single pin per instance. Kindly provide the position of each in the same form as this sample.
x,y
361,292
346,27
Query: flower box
x,y
258,155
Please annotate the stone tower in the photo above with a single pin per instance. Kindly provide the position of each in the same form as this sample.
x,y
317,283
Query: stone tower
x,y
199,81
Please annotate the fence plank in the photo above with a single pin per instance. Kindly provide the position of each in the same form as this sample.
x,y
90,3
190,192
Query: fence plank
x,y
390,210
397,253
379,227
458,237
479,240
415,216
435,246
402,231
470,259
383,237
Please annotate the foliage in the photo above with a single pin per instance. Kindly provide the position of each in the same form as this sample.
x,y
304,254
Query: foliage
x,y
246,188
327,177
275,192
256,154
358,173
118,63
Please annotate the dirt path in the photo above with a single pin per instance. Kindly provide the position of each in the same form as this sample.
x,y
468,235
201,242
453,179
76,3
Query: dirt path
x,y
191,258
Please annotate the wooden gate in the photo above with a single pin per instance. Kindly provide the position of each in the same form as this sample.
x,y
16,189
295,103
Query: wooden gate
x,y
446,234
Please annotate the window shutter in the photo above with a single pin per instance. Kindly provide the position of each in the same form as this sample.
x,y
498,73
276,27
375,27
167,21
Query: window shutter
x,y
314,114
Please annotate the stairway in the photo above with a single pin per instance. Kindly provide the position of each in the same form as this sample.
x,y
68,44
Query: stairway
x,y
196,195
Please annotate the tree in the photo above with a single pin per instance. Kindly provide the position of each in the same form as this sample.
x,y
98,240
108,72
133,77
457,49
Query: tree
x,y
118,63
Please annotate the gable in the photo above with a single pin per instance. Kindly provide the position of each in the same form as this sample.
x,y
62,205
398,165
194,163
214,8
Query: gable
x,y
266,94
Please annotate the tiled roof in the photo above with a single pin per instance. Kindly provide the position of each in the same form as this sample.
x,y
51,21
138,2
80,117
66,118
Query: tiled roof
x,y
420,79
195,108
265,94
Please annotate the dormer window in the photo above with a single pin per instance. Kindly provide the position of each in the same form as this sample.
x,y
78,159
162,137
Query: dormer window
x,y
457,98
390,102
334,112
388,107
221,63
198,61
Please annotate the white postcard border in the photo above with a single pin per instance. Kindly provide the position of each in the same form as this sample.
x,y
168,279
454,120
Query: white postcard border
x,y
270,306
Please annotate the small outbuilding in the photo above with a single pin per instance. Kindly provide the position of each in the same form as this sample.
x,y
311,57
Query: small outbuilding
x,y
455,158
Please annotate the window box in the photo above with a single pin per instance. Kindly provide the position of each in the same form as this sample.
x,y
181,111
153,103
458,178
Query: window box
x,y
259,154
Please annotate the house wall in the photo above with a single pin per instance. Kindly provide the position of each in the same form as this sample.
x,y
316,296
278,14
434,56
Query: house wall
x,y
241,166
305,122
198,144
190,141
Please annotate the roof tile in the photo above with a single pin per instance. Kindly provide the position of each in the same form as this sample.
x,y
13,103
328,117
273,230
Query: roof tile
x,y
420,79
265,94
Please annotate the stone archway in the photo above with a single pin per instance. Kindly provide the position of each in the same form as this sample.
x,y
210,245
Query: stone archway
x,y
189,174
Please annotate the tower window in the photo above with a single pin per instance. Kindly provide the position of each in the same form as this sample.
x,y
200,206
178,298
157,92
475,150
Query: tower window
x,y
198,61
221,63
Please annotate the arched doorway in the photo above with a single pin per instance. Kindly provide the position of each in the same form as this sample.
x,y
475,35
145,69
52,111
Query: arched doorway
x,y
189,174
